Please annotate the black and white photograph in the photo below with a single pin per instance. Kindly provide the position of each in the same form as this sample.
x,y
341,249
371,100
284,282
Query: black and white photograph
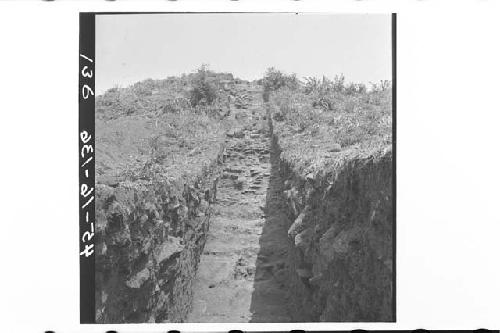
x,y
249,166
244,168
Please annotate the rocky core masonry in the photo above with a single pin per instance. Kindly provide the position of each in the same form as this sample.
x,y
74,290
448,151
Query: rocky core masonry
x,y
149,240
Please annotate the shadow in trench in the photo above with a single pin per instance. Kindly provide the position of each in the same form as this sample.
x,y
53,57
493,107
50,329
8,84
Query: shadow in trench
x,y
269,298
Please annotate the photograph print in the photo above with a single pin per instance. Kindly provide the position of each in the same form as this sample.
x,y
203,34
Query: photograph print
x,y
244,168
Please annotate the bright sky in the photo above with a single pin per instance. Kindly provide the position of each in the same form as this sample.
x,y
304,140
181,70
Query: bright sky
x,y
130,48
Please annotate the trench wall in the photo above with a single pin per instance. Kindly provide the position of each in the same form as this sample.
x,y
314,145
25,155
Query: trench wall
x,y
340,238
149,240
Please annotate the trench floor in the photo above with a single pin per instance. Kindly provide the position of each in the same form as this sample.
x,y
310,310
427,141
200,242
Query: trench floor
x,y
242,275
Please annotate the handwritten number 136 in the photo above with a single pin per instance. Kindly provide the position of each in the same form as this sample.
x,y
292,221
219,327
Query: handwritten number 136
x,y
86,73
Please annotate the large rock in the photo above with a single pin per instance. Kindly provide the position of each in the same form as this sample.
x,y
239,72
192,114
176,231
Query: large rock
x,y
172,246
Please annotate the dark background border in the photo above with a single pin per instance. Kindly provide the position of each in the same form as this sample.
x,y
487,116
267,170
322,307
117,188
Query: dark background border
x,y
86,122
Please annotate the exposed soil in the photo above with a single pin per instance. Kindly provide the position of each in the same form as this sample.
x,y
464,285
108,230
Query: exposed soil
x,y
242,273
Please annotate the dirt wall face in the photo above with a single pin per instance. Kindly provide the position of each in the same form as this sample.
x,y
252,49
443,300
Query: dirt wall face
x,y
340,239
149,241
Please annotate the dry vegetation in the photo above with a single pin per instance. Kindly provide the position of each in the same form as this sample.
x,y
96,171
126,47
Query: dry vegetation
x,y
316,118
161,127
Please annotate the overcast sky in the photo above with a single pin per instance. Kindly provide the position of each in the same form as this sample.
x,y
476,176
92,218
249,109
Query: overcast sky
x,y
130,48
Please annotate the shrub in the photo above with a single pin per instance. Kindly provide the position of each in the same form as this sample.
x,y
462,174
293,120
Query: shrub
x,y
331,94
339,83
355,88
144,88
203,91
382,85
274,80
311,84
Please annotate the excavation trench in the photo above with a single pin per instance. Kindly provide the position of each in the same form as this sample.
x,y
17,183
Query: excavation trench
x,y
252,236
242,272
244,232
